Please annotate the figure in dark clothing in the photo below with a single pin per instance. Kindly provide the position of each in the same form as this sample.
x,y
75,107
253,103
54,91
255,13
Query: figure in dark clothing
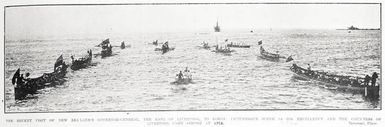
x,y
367,80
374,78
20,79
180,75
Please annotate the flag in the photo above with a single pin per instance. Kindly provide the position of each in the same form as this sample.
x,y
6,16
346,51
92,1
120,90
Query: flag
x,y
15,76
260,42
59,61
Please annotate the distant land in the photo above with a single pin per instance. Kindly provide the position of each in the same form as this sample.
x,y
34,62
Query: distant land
x,y
356,28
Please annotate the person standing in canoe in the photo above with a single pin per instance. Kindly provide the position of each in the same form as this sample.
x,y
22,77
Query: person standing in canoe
x,y
180,75
374,78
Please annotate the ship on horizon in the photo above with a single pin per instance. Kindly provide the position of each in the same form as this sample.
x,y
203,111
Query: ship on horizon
x,y
356,28
217,28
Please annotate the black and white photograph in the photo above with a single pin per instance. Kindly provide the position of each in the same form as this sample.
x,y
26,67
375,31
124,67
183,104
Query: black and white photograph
x,y
122,57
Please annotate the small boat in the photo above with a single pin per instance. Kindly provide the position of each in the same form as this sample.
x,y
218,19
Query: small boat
x,y
156,43
238,45
337,81
164,50
224,50
182,81
217,28
25,86
81,62
273,56
122,46
106,48
205,45
186,78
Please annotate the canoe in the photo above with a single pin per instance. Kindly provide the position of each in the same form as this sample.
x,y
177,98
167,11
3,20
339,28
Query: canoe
x,y
82,62
273,56
164,50
338,81
223,51
25,86
238,46
123,46
182,81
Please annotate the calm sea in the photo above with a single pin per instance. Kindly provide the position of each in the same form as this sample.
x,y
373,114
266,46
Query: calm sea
x,y
138,78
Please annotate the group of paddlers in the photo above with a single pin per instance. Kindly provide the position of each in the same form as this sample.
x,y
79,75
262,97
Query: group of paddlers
x,y
184,75
81,62
335,79
238,45
26,85
88,57
106,48
224,49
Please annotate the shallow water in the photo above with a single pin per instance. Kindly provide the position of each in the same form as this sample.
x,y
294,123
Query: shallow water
x,y
138,78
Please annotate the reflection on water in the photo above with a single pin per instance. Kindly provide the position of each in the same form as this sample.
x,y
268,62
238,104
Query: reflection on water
x,y
138,78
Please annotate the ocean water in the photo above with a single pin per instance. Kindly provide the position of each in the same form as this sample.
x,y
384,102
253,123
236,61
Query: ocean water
x,y
138,78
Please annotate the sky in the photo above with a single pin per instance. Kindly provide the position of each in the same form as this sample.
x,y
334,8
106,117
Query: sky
x,y
59,20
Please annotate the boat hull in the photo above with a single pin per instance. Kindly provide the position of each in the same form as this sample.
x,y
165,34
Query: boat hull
x,y
238,46
367,91
31,86
79,64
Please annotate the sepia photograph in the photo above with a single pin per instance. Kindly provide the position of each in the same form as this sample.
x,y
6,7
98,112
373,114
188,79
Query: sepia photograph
x,y
123,57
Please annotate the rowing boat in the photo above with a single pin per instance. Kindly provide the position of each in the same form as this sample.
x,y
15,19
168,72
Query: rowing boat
x,y
273,56
338,81
238,46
